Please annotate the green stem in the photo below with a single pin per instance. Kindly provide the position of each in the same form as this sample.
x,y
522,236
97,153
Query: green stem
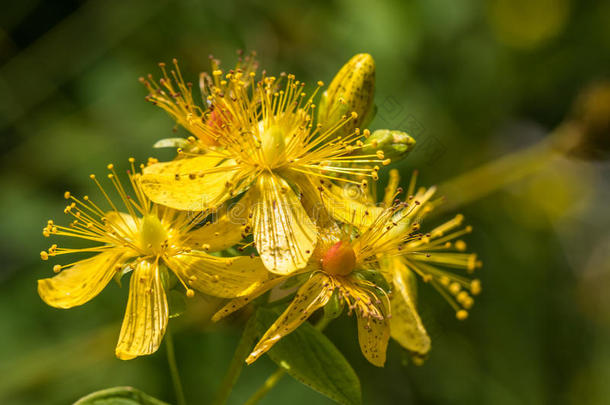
x,y
266,387
173,368
237,363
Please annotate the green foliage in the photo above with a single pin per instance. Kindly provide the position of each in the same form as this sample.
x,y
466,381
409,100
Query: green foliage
x,y
311,358
119,396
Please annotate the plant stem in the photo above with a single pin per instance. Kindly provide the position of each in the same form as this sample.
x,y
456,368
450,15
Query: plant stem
x,y
237,363
173,368
266,387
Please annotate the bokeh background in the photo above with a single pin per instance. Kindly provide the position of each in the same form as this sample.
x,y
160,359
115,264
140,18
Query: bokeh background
x,y
472,81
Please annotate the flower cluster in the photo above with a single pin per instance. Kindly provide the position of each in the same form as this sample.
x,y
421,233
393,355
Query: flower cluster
x,y
270,192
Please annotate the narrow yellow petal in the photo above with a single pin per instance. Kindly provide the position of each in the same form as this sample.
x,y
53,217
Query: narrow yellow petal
x,y
122,223
225,277
313,294
284,234
146,314
406,326
191,184
373,335
238,303
80,283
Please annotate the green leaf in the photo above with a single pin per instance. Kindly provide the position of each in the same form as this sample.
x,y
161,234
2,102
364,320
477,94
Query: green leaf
x,y
119,396
311,358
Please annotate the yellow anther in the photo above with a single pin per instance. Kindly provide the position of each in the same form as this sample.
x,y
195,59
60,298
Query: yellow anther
x,y
354,115
386,162
475,287
44,255
67,195
380,154
320,83
190,293
454,288
366,133
57,268
460,245
110,166
472,263
92,176
461,314
131,160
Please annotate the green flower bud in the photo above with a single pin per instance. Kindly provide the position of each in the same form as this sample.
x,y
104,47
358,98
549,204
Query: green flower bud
x,y
394,144
351,90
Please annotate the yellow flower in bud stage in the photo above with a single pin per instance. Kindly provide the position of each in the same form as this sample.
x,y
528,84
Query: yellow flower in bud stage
x,y
352,89
150,241
260,140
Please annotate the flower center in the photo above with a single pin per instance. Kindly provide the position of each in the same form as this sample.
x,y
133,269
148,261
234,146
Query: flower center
x,y
339,259
153,234
273,146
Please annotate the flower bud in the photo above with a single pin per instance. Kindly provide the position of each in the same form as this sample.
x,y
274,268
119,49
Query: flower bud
x,y
351,90
395,145
339,259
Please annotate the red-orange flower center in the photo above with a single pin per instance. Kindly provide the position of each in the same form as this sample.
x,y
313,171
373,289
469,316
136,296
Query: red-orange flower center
x,y
339,259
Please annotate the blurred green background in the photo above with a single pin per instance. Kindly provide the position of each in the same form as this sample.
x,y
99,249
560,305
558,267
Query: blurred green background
x,y
472,81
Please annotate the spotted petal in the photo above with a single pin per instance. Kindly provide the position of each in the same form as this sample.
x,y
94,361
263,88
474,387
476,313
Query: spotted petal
x,y
146,314
78,284
284,234
191,184
313,294
225,277
373,335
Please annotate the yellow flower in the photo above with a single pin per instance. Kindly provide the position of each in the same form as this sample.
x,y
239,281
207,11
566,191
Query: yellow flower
x,y
257,135
342,268
147,240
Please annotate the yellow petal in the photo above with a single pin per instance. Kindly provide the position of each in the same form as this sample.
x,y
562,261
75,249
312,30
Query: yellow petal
x,y
225,230
284,234
80,283
238,303
406,325
312,295
225,277
349,205
122,223
373,335
191,184
146,314
311,198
